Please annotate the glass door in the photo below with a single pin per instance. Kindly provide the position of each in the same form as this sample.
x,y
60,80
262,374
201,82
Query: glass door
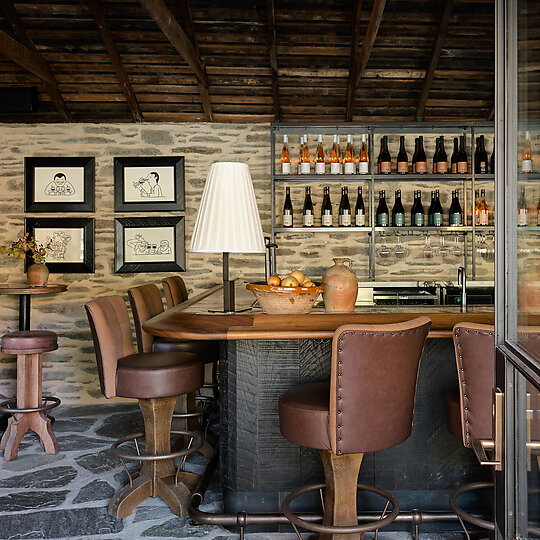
x,y
516,456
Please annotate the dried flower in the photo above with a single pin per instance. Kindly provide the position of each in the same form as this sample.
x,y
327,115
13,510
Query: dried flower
x,y
26,247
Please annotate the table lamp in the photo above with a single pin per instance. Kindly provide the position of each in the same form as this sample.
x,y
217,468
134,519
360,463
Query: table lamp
x,y
228,220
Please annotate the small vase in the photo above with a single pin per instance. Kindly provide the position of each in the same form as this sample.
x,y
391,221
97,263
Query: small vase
x,y
341,287
37,275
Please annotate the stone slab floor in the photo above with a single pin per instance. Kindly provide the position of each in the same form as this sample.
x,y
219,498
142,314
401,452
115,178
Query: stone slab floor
x,y
65,496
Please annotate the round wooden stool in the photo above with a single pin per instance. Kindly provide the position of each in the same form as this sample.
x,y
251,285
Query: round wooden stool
x,y
32,408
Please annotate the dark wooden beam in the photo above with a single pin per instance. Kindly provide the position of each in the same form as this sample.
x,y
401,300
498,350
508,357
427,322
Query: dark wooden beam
x,y
355,48
97,11
184,46
272,50
49,82
491,115
437,47
363,56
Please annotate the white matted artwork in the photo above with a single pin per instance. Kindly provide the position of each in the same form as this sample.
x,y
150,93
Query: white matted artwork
x,y
58,184
149,184
149,244
66,245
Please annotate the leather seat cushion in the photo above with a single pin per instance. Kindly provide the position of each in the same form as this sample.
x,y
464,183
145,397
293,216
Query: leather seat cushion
x,y
304,415
157,375
207,351
29,342
453,414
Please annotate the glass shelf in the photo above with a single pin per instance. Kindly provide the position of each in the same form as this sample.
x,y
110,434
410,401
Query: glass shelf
x,y
322,177
423,177
456,230
321,229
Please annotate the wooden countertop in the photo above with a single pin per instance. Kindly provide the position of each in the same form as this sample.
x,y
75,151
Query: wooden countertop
x,y
191,319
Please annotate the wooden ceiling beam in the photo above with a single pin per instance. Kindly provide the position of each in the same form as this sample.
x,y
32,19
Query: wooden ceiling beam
x,y
355,48
184,46
437,47
272,50
361,58
97,11
27,51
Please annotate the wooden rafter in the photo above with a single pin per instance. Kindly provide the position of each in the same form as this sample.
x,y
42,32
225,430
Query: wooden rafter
x,y
272,50
355,48
363,56
184,46
491,115
97,11
24,40
437,47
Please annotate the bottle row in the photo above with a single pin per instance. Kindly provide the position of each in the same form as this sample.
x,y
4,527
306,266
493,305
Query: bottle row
x,y
350,161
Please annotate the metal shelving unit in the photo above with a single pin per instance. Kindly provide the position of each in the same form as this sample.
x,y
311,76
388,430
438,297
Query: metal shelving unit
x,y
373,131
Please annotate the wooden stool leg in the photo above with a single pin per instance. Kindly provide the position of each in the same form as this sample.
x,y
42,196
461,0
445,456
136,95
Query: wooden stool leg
x,y
341,474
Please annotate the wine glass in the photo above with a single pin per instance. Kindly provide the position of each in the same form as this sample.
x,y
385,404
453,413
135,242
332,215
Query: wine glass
x,y
443,249
384,252
428,250
458,250
400,251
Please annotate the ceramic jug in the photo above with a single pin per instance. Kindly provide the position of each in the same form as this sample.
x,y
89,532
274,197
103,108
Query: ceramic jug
x,y
341,286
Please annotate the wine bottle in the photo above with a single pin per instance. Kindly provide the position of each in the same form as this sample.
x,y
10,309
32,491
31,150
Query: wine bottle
x,y
287,209
421,160
435,156
454,158
285,157
538,214
345,208
340,156
326,213
334,158
455,218
305,166
431,207
417,211
442,159
462,160
398,212
382,210
526,164
476,207
300,154
415,156
319,157
307,211
402,158
522,210
481,162
359,210
437,217
350,164
385,161
493,161
363,164
483,211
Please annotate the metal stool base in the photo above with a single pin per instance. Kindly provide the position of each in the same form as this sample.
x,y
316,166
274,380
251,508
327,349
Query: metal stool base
x,y
465,516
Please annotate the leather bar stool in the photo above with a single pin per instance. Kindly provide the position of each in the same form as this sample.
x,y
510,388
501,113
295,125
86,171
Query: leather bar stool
x,y
32,408
156,380
469,407
367,405
175,290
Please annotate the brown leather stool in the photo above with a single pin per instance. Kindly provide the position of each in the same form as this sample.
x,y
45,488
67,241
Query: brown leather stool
x,y
32,407
368,405
469,407
156,380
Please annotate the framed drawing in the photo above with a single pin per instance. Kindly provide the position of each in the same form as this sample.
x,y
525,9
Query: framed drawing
x,y
149,245
149,184
71,243
63,184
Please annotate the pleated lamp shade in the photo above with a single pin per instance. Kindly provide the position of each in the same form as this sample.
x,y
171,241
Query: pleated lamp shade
x,y
228,220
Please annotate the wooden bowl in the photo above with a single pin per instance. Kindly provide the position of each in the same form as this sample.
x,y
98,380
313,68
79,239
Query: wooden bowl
x,y
274,299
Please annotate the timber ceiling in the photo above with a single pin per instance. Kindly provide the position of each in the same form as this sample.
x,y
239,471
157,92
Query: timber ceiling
x,y
250,61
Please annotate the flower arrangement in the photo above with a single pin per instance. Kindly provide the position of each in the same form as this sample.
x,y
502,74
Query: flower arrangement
x,y
26,247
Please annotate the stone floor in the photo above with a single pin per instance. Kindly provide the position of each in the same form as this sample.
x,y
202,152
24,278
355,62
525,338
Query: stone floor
x,y
65,496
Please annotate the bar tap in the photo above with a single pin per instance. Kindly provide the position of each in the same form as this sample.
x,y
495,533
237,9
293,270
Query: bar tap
x,y
462,280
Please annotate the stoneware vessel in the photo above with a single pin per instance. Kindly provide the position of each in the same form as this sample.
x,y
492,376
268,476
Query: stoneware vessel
x,y
37,275
341,287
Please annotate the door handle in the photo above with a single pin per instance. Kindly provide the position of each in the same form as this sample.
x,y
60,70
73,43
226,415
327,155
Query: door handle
x,y
495,445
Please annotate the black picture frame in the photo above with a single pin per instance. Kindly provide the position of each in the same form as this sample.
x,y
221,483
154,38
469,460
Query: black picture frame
x,y
175,187
88,166
178,256
87,225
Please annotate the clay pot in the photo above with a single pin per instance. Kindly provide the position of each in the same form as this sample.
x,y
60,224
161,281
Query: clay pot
x,y
37,275
341,286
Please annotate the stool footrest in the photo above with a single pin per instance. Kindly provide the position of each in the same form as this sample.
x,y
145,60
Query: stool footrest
x,y
465,516
50,403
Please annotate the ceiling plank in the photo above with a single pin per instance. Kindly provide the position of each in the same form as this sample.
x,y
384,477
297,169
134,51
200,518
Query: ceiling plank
x,y
355,48
185,47
272,50
437,47
97,11
49,82
365,52
491,115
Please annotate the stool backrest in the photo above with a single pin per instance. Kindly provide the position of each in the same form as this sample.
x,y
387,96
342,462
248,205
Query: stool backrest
x,y
175,290
145,303
373,384
111,332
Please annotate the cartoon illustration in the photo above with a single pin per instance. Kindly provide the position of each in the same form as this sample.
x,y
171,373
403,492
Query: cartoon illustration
x,y
149,186
60,186
141,247
58,243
